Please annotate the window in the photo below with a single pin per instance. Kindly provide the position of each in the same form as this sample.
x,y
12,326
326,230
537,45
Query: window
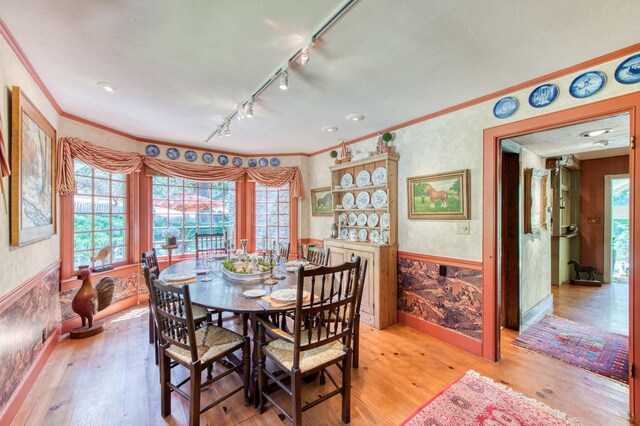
x,y
272,208
99,215
190,207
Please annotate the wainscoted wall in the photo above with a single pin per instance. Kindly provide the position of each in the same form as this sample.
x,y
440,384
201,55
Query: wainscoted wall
x,y
29,320
452,301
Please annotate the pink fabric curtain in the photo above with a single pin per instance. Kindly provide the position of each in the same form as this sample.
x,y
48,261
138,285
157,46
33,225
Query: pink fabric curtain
x,y
129,162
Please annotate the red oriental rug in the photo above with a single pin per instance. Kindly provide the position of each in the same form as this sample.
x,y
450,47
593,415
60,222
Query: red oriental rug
x,y
477,400
580,345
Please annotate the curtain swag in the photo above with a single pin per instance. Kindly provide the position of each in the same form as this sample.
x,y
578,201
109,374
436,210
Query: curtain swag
x,y
114,161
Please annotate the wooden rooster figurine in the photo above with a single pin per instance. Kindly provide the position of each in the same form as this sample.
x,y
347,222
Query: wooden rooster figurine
x,y
88,301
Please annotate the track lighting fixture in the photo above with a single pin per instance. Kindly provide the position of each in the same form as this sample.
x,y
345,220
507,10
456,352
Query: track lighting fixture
x,y
284,80
249,109
219,133
304,56
227,131
240,114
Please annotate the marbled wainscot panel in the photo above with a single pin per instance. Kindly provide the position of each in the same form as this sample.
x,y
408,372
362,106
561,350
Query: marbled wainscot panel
x,y
453,301
127,285
23,328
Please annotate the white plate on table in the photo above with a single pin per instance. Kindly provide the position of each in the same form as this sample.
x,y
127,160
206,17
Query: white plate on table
x,y
362,219
200,271
363,178
348,201
373,220
287,295
379,176
363,200
256,292
179,277
347,180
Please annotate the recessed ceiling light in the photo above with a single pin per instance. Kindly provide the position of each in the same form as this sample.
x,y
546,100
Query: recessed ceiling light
x,y
593,133
329,129
354,117
107,86
602,143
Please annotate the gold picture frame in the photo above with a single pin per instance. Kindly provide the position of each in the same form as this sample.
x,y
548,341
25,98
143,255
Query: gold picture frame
x,y
535,200
33,166
441,196
321,202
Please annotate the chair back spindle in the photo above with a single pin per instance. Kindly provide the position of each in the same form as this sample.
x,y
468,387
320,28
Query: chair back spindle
x,y
210,242
318,255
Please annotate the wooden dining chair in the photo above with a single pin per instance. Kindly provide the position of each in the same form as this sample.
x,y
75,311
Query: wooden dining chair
x,y
150,261
283,250
193,349
318,255
210,242
312,348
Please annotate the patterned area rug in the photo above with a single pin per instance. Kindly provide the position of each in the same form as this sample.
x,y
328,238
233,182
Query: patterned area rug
x,y
580,345
477,400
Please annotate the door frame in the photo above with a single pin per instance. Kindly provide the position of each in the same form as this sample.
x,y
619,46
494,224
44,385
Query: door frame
x,y
607,224
630,104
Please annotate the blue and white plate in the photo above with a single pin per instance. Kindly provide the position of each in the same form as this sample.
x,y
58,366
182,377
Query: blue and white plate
x,y
207,158
173,153
237,161
587,84
223,160
152,150
190,156
506,107
275,162
543,95
628,72
252,162
263,162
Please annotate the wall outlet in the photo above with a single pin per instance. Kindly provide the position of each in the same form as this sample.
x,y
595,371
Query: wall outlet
x,y
463,228
443,270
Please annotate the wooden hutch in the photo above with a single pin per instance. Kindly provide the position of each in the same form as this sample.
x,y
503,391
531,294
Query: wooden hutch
x,y
379,299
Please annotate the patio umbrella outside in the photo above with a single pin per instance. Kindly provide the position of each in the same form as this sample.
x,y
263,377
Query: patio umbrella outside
x,y
189,203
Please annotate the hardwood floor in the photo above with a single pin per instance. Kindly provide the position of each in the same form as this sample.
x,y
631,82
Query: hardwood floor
x,y
111,379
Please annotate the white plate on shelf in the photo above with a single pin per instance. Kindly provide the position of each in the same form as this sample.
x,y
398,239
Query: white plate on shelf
x,y
374,236
379,176
256,292
344,233
363,199
287,295
373,219
384,235
343,218
353,219
379,199
347,180
362,219
348,201
353,235
385,220
362,235
363,178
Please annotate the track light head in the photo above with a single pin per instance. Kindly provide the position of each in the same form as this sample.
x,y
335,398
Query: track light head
x,y
227,131
304,56
284,80
240,114
249,110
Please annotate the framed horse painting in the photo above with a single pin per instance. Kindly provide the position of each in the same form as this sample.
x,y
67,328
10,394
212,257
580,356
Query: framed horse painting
x,y
321,202
440,196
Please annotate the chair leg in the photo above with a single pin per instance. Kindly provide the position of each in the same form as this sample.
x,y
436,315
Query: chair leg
x,y
219,319
262,378
356,344
152,329
346,389
165,390
194,397
323,378
246,367
210,372
156,349
296,397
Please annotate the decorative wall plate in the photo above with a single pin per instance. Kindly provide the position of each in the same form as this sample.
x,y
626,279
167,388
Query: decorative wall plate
x,y
348,201
263,162
628,72
343,218
353,235
173,153
385,220
252,162
152,150
506,107
347,180
363,178
353,219
587,84
237,161
374,236
223,160
379,199
384,235
362,235
190,155
207,158
543,95
373,219
362,219
344,233
363,200
275,162
379,176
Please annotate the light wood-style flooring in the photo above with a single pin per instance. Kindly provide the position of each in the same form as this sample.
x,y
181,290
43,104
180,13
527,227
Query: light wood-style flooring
x,y
111,379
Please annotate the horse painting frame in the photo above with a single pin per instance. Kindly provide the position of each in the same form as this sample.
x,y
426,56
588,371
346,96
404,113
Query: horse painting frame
x,y
324,208
441,196
535,200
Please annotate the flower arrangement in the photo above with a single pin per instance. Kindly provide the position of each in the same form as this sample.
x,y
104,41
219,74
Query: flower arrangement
x,y
171,234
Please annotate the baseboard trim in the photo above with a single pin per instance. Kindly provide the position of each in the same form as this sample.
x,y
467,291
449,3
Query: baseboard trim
x,y
452,337
460,263
21,392
532,315
120,305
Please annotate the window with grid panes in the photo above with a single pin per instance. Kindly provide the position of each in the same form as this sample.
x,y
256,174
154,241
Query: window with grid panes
x,y
272,211
190,207
99,215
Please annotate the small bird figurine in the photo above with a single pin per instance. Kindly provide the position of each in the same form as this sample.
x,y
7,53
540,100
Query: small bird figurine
x,y
88,301
102,255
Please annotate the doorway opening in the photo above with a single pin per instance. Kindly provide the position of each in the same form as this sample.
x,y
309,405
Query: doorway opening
x,y
617,193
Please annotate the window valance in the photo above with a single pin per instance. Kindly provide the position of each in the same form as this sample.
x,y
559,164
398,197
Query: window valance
x,y
114,161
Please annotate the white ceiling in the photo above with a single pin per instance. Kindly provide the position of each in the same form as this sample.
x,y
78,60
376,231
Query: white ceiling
x,y
181,66
568,139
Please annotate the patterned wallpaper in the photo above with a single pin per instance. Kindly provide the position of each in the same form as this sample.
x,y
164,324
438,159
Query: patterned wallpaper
x,y
453,301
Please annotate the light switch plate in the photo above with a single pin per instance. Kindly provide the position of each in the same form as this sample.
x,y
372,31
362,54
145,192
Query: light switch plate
x,y
463,228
